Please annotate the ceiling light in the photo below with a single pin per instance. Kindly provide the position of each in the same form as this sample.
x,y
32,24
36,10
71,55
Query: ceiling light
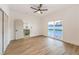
x,y
38,12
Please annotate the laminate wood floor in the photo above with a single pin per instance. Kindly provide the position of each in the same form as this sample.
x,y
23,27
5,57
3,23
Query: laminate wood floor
x,y
40,46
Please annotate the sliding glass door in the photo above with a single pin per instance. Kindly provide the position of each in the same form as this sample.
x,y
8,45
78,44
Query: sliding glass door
x,y
55,29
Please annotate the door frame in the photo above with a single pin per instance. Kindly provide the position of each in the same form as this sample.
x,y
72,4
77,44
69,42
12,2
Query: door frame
x,y
15,30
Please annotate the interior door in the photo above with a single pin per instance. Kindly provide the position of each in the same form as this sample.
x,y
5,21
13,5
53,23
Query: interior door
x,y
19,29
0,32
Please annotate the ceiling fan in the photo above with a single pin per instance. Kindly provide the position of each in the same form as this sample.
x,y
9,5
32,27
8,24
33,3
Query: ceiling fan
x,y
39,9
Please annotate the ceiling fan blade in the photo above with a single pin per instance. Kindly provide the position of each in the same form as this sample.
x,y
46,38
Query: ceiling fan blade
x,y
39,12
35,11
43,9
34,8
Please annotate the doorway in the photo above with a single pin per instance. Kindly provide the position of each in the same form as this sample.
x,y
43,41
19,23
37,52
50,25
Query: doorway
x,y
18,29
21,29
55,29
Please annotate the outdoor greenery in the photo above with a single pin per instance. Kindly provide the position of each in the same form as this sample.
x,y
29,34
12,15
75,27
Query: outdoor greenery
x,y
55,29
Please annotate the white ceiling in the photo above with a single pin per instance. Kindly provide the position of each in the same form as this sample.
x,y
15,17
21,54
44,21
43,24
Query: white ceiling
x,y
25,8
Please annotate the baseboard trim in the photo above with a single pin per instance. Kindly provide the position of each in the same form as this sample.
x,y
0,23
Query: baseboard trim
x,y
28,37
62,41
36,36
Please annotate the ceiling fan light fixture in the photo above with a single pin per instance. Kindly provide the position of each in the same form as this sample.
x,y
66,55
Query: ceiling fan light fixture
x,y
38,9
38,12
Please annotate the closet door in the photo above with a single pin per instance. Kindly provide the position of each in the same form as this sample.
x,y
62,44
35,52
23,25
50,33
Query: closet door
x,y
5,31
0,32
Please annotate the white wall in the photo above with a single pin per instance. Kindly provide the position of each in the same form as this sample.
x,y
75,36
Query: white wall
x,y
44,24
33,20
70,16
